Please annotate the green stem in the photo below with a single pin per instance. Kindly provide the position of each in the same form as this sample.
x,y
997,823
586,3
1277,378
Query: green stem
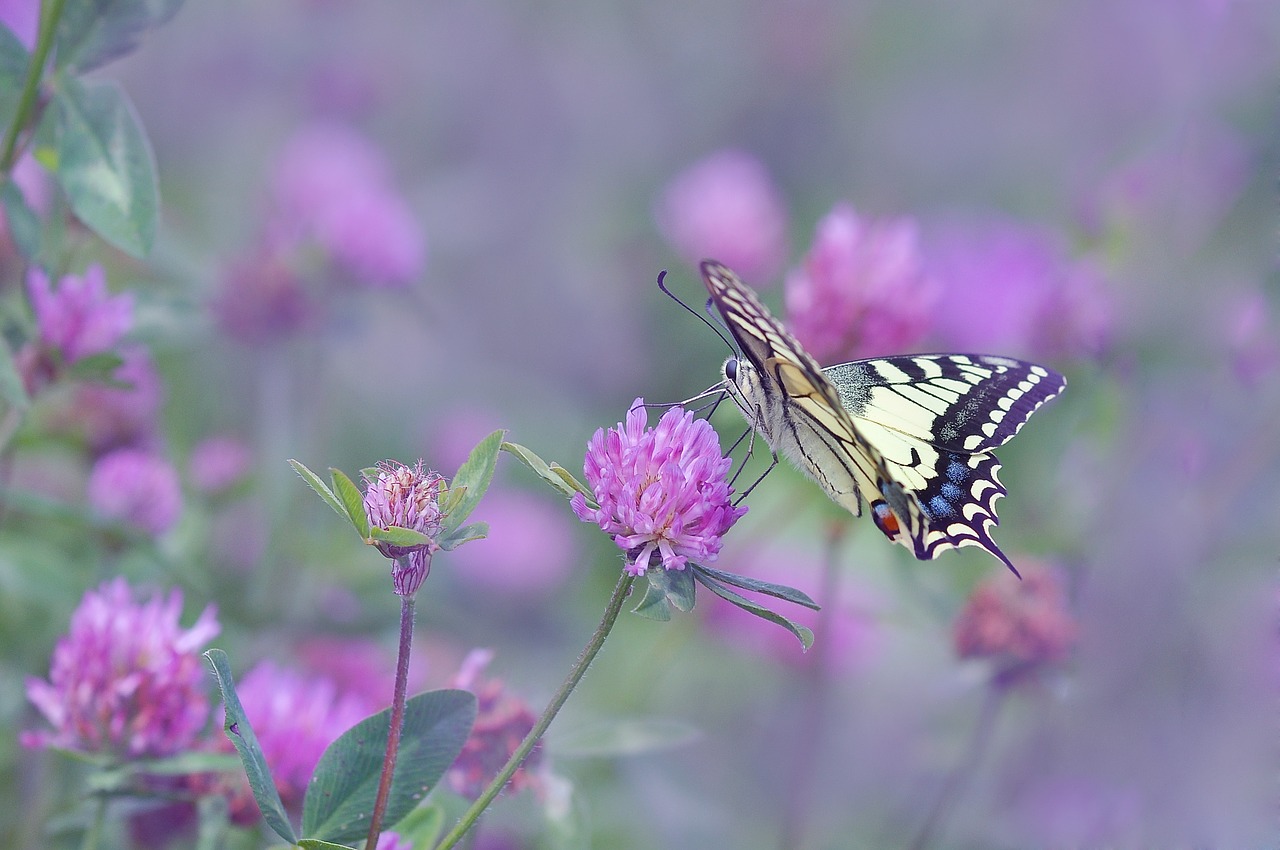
x,y
94,833
397,721
553,708
50,13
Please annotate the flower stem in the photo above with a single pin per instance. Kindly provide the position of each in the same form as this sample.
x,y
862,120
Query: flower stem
x,y
397,721
553,708
964,770
50,13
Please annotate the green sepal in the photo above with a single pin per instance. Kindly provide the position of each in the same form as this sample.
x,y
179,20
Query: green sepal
x,y
239,730
666,589
473,531
22,221
342,790
105,164
322,490
352,501
803,634
552,473
398,535
475,475
653,605
777,591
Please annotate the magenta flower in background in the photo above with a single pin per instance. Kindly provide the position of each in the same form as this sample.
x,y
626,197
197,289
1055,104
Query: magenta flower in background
x,y
662,491
1021,625
219,463
333,188
862,289
502,721
392,841
80,317
118,417
529,547
1010,288
726,207
138,488
126,679
406,497
21,17
295,717
262,299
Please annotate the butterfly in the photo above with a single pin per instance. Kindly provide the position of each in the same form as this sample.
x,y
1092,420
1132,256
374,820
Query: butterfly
x,y
912,434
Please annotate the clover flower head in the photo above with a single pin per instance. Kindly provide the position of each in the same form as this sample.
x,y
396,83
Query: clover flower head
x,y
502,721
407,497
137,488
662,491
126,679
80,317
1021,625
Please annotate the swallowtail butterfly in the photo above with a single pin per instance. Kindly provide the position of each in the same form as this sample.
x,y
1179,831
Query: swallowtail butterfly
x,y
911,434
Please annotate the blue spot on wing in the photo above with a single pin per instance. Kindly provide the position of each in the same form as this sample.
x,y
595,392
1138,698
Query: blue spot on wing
x,y
939,506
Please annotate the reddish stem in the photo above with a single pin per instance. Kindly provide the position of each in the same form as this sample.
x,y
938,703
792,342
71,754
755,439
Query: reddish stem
x,y
397,721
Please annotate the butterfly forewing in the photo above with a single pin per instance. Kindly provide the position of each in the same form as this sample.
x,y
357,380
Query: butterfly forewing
x,y
911,434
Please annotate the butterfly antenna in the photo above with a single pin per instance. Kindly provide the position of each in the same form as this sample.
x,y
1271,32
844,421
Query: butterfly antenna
x,y
719,332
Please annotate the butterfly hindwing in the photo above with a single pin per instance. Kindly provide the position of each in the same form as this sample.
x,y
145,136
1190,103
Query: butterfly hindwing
x,y
911,434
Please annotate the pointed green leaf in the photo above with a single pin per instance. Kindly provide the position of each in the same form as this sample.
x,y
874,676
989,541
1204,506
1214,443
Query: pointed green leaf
x,y
105,164
352,501
473,531
22,221
322,489
317,844
567,477
804,635
654,604
12,388
398,535
240,732
778,591
91,34
475,474
544,471
451,499
342,790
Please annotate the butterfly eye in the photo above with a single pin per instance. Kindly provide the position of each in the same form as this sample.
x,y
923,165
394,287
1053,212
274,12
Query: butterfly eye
x,y
731,369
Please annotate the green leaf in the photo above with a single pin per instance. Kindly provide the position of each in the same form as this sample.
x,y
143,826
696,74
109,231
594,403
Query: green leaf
x,y
558,477
105,164
98,368
322,489
778,591
398,535
678,585
12,389
654,605
352,501
240,732
804,635
474,531
451,499
317,844
91,34
342,790
475,474
23,223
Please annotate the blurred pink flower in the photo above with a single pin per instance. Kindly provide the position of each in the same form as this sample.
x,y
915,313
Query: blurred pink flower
x,y
118,417
1011,289
22,18
333,187
862,289
138,488
726,207
295,718
80,317
1021,625
501,724
262,299
850,634
126,679
406,497
662,491
1252,335
529,547
219,463
392,841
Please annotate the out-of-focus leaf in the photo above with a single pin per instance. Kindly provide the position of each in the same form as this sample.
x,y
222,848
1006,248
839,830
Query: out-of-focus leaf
x,y
98,368
803,634
22,221
474,531
322,489
241,734
341,793
422,827
214,822
12,390
475,475
14,60
105,164
628,736
352,501
778,591
93,32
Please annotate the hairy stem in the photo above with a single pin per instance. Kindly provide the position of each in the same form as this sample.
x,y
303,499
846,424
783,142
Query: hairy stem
x,y
397,721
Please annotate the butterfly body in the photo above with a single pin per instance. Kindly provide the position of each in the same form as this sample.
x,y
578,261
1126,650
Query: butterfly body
x,y
910,434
